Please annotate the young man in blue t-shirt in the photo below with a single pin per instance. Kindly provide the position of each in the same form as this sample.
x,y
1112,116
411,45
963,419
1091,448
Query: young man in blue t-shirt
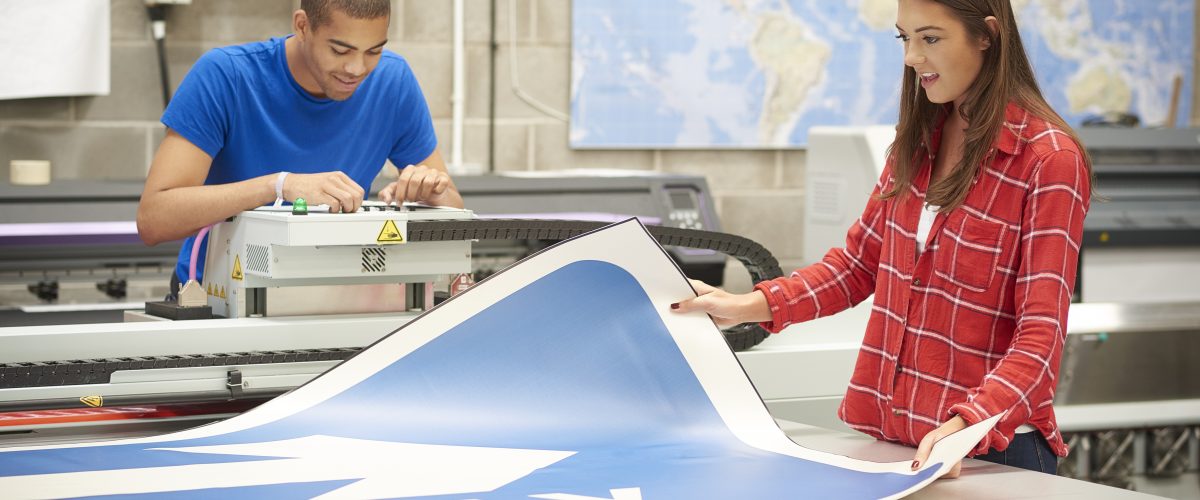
x,y
313,115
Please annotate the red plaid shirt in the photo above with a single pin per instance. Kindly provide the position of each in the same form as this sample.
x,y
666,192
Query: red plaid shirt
x,y
975,325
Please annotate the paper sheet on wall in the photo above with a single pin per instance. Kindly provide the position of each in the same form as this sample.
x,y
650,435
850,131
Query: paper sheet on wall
x,y
54,48
563,377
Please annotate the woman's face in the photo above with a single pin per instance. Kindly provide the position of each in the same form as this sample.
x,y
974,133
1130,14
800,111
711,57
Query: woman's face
x,y
937,45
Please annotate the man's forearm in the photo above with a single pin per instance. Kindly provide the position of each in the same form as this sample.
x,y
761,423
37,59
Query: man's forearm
x,y
176,213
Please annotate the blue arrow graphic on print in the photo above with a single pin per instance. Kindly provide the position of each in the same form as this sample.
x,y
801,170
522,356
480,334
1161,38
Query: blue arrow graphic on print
x,y
578,360
369,469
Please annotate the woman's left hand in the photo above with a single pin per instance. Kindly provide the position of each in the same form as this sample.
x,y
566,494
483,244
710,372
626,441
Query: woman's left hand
x,y
950,427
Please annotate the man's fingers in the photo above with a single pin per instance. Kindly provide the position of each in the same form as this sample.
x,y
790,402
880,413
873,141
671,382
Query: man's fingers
x,y
351,202
385,194
438,182
418,187
342,186
425,187
335,205
345,199
335,189
412,191
402,187
426,183
442,184
338,199
420,183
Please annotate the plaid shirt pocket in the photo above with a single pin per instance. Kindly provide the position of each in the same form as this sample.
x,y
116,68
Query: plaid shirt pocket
x,y
969,251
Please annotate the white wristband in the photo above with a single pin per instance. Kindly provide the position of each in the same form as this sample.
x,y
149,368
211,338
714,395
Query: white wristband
x,y
279,188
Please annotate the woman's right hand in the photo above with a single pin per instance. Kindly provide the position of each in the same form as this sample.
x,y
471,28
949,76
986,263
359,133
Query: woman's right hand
x,y
726,309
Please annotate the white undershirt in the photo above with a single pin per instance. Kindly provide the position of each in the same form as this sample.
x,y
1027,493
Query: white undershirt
x,y
923,227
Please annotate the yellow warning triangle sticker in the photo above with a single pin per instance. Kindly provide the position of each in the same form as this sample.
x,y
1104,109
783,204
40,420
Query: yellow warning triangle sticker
x,y
390,233
237,267
93,401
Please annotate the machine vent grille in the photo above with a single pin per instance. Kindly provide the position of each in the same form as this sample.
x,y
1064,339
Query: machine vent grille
x,y
374,260
827,203
257,257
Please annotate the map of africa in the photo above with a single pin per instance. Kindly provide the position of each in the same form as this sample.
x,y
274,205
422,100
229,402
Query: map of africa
x,y
759,73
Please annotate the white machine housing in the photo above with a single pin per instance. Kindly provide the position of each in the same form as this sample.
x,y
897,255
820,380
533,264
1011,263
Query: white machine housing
x,y
327,263
843,166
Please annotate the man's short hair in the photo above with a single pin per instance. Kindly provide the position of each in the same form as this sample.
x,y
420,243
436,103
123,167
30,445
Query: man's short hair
x,y
318,11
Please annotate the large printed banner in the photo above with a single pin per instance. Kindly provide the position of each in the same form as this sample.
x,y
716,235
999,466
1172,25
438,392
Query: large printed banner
x,y
565,377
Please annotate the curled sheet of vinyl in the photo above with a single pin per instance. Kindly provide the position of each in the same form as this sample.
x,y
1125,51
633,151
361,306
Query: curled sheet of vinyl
x,y
565,376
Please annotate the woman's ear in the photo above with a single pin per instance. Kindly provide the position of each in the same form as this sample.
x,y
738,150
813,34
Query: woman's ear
x,y
993,26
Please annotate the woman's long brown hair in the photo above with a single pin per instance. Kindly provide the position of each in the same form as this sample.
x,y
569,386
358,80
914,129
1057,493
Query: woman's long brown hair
x,y
1006,76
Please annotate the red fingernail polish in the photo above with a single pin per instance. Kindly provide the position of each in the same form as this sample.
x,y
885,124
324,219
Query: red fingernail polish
x,y
675,306
916,464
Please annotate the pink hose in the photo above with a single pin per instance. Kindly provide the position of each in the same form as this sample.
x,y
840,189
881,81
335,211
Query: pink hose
x,y
196,252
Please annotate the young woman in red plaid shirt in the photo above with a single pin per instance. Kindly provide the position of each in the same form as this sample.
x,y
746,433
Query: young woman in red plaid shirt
x,y
969,243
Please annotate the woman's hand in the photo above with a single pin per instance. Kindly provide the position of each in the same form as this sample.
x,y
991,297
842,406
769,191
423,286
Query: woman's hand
x,y
726,309
950,427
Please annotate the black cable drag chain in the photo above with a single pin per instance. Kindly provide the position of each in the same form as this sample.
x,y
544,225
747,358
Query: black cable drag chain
x,y
757,259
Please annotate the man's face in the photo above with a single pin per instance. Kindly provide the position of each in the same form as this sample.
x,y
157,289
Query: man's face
x,y
340,54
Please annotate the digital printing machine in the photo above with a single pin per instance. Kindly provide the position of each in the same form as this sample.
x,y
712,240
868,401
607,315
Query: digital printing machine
x,y
1129,389
69,251
297,293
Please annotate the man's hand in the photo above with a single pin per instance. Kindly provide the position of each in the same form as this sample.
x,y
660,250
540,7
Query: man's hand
x,y
726,309
418,183
335,189
950,427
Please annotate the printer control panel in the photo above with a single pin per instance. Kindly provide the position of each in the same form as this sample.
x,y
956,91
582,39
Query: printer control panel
x,y
684,209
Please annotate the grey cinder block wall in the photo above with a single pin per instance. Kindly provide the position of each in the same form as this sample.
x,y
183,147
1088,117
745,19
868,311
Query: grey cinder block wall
x,y
758,193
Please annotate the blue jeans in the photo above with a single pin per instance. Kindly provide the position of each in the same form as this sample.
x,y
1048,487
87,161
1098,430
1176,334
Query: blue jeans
x,y
1028,450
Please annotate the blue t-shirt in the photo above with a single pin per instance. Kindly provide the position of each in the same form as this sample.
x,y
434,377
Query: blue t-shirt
x,y
242,106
